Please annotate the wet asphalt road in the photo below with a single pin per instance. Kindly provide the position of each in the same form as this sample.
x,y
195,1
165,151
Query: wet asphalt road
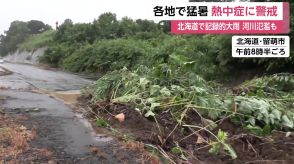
x,y
59,129
31,76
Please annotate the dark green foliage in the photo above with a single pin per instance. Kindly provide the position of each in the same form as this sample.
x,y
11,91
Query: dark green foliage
x,y
55,54
107,55
165,26
104,45
107,44
16,34
127,27
106,27
36,27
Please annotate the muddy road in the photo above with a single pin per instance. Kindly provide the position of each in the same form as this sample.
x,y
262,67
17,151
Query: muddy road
x,y
33,98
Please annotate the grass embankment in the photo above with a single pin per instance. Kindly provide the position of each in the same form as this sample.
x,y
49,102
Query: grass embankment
x,y
37,41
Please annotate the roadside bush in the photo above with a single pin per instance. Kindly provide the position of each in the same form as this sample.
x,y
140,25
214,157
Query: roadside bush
x,y
53,55
108,55
266,105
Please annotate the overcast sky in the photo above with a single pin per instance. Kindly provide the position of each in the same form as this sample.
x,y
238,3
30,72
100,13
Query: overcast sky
x,y
50,11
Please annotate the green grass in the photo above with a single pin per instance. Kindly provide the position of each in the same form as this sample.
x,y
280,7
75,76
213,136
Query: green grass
x,y
37,41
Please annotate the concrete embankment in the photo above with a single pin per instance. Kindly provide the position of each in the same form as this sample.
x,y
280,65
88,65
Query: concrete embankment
x,y
26,57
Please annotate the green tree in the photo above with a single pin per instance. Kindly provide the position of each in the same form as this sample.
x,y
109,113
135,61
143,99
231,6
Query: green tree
x,y
165,26
37,27
146,25
127,27
106,26
16,34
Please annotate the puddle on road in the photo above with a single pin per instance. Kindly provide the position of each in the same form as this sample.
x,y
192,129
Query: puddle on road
x,y
78,132
69,97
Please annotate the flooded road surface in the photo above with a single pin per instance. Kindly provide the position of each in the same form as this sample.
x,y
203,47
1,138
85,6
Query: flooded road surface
x,y
68,135
40,78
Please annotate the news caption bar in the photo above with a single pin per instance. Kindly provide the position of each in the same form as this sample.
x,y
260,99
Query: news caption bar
x,y
224,17
261,46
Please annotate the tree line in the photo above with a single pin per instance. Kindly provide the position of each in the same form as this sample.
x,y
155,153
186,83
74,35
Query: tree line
x,y
18,32
107,44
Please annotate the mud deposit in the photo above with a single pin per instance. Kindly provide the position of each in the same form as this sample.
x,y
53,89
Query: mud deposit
x,y
275,149
66,136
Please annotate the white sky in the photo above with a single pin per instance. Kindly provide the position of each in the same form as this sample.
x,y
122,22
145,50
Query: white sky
x,y
50,11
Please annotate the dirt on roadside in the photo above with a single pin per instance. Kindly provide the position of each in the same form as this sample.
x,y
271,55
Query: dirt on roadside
x,y
251,149
15,139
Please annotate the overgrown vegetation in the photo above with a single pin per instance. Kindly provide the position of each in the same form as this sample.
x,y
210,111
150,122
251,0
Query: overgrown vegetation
x,y
36,41
259,106
74,46
155,73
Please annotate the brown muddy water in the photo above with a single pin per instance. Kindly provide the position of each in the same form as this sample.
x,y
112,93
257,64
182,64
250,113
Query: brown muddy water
x,y
69,97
